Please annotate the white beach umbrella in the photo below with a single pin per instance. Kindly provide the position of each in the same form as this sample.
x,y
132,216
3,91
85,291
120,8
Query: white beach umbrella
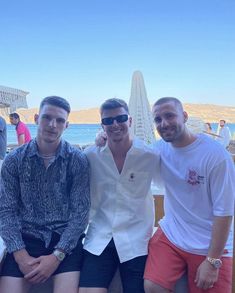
x,y
196,124
142,125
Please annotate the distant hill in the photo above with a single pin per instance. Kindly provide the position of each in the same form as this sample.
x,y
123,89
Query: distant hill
x,y
207,112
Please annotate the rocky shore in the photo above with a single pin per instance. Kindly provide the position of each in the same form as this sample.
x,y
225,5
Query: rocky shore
x,y
207,112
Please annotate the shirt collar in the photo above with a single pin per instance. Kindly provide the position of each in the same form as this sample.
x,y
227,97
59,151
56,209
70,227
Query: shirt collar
x,y
33,149
137,146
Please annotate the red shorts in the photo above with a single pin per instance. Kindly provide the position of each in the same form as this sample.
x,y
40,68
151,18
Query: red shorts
x,y
166,263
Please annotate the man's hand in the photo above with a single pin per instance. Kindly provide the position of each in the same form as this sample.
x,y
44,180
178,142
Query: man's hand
x,y
101,138
206,275
47,264
23,260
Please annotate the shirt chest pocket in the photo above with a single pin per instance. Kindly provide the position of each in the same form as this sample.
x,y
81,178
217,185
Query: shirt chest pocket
x,y
137,184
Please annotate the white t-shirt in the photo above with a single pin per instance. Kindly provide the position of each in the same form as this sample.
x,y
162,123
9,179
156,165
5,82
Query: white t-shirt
x,y
199,182
121,204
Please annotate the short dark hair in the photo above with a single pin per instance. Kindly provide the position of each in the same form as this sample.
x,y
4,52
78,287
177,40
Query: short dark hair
x,y
56,101
113,104
223,120
167,100
14,115
209,125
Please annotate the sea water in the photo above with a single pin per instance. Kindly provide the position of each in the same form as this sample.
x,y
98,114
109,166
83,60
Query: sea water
x,y
82,134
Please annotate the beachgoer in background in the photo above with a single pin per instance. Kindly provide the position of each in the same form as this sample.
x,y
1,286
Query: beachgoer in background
x,y
3,140
224,133
44,206
208,127
122,210
196,232
22,131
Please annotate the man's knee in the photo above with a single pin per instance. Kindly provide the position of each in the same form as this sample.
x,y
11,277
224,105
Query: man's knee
x,y
151,287
66,282
13,284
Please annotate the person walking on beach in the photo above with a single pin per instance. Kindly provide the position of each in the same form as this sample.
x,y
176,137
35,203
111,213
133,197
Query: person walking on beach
x,y
44,206
196,232
22,131
224,134
3,140
122,210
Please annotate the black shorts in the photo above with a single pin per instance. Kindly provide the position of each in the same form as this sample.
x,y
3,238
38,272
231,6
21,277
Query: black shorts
x,y
36,247
98,271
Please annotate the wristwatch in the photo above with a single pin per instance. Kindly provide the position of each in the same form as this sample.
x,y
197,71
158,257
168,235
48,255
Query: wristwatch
x,y
215,262
60,255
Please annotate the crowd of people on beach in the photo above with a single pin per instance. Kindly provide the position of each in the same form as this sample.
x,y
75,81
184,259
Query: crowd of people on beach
x,y
78,216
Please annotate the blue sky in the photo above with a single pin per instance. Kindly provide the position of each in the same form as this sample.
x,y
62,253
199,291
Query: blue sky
x,y
86,51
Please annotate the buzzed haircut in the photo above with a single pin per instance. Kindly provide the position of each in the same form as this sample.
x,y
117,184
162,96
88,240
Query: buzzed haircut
x,y
113,104
56,101
14,115
167,100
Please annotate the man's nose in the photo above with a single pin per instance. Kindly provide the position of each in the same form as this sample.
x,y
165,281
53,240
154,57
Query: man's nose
x,y
53,122
164,123
115,123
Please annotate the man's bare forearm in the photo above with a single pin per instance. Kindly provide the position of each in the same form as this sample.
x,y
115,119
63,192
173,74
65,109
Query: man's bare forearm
x,y
220,231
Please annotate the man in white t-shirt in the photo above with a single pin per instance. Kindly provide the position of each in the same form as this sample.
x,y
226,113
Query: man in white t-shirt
x,y
122,210
195,233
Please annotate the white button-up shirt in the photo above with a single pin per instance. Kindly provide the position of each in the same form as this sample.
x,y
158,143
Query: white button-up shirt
x,y
121,203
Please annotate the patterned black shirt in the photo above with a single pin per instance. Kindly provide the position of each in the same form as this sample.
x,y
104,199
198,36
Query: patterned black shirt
x,y
38,201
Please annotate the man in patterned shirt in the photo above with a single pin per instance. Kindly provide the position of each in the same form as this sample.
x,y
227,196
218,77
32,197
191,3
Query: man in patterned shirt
x,y
44,205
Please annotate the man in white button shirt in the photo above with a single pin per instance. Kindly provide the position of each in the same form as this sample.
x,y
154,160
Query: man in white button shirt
x,y
122,210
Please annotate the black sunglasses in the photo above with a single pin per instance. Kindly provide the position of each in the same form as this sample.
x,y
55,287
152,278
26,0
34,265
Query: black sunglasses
x,y
120,119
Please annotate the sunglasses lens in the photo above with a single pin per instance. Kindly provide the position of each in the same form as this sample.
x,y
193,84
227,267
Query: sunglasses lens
x,y
107,121
121,118
110,120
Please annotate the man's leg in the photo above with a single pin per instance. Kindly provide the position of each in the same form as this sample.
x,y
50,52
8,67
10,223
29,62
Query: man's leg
x,y
11,278
66,277
12,284
66,282
97,271
165,265
151,287
132,274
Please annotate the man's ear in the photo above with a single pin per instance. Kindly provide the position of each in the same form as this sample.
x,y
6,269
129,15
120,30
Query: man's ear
x,y
36,116
185,116
130,121
67,124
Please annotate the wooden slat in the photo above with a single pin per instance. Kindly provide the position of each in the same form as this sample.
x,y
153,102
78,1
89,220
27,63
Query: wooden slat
x,y
159,210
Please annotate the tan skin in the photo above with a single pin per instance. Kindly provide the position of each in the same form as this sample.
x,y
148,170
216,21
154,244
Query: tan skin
x,y
51,121
118,136
170,123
